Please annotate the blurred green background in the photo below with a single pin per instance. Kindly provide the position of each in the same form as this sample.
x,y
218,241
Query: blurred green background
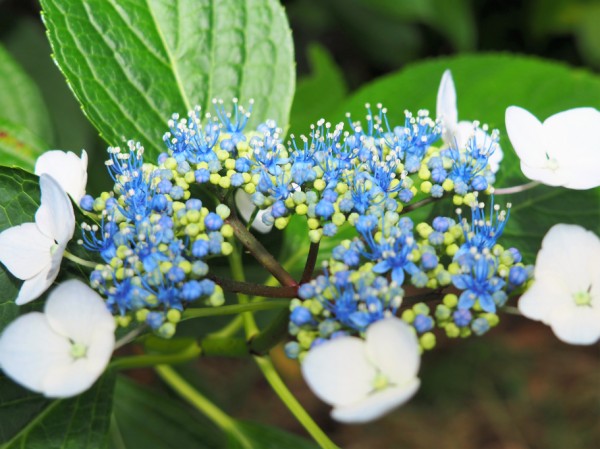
x,y
516,388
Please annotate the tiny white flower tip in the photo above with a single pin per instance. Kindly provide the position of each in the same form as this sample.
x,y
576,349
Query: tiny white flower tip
x,y
63,351
68,169
561,151
566,291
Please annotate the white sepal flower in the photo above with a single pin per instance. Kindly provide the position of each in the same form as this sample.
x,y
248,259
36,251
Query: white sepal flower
x,y
244,203
33,252
68,169
365,379
562,151
61,352
566,290
458,133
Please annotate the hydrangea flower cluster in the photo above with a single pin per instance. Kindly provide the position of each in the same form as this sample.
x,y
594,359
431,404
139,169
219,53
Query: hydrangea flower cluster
x,y
364,279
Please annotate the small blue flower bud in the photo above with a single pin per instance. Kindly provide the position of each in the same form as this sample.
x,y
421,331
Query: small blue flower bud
x,y
193,204
329,230
213,222
202,175
176,193
207,286
278,209
200,248
429,261
517,275
155,319
480,326
292,349
176,274
87,203
405,195
159,203
164,186
440,224
351,258
516,255
191,291
479,183
462,318
423,323
324,209
306,291
301,316
242,165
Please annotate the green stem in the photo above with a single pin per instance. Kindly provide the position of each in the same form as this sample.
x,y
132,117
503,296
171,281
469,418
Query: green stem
x,y
201,403
249,288
266,366
237,272
265,340
79,260
146,360
234,309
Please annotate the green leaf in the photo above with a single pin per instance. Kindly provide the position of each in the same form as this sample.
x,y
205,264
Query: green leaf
x,y
146,419
486,85
20,100
28,44
32,421
267,437
18,145
320,93
132,64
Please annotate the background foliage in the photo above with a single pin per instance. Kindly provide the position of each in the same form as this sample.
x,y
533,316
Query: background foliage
x,y
499,392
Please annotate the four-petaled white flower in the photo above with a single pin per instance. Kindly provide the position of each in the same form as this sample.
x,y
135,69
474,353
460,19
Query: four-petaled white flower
x,y
566,290
62,351
33,251
458,133
244,203
562,151
365,379
68,169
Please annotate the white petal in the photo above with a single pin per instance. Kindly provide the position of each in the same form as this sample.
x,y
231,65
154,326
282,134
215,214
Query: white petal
x,y
67,169
29,349
376,405
546,294
55,217
576,325
244,203
76,311
495,159
525,132
544,175
572,139
25,250
446,106
393,348
70,379
32,288
569,254
338,371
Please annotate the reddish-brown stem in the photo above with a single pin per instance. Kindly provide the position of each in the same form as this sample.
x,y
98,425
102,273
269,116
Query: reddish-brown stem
x,y
311,260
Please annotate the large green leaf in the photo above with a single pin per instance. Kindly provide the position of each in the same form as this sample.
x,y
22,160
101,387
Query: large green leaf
x,y
132,64
31,421
20,99
320,93
486,86
146,419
